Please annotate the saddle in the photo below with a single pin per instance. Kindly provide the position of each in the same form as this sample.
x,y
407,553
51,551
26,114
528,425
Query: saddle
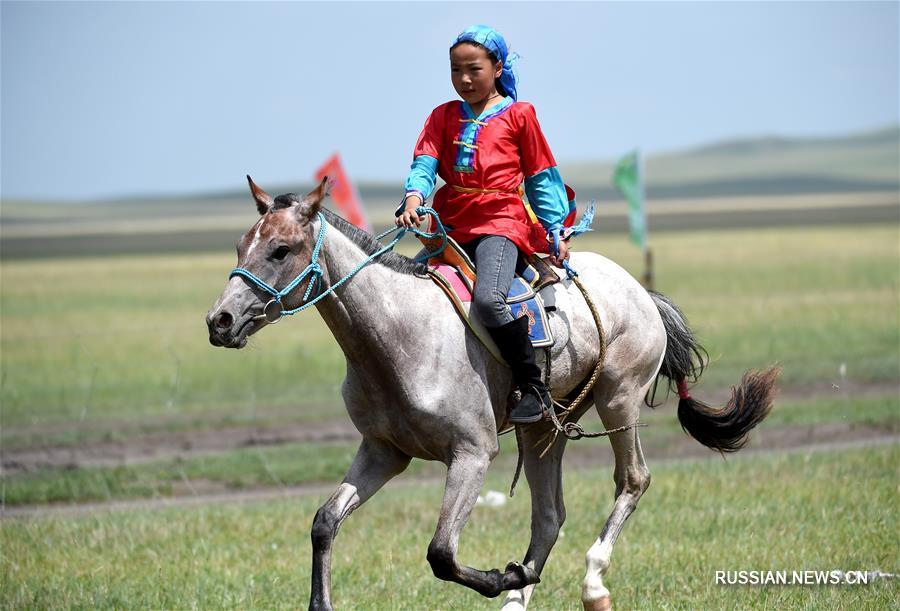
x,y
454,272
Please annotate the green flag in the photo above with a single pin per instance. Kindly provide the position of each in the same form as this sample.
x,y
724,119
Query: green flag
x,y
627,177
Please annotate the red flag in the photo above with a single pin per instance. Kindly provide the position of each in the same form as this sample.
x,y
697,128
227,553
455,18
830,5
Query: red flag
x,y
343,192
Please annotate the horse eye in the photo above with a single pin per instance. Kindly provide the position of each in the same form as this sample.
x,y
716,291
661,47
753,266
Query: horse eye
x,y
281,252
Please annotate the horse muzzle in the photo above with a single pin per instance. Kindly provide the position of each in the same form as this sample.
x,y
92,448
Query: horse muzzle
x,y
227,332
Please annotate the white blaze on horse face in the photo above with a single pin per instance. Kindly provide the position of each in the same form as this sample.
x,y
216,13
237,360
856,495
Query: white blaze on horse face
x,y
255,240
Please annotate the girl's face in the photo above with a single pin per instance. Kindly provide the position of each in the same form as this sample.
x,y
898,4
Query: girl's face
x,y
472,73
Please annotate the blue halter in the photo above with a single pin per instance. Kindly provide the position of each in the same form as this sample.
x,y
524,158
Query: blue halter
x,y
274,309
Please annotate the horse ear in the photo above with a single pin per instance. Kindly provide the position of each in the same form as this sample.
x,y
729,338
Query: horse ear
x,y
263,199
313,200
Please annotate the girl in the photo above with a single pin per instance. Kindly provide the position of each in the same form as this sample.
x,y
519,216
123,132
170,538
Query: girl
x,y
484,147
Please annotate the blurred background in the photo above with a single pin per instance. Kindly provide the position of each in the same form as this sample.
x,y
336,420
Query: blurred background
x,y
771,171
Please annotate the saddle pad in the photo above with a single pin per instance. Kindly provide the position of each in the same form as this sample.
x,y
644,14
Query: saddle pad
x,y
519,291
453,271
523,301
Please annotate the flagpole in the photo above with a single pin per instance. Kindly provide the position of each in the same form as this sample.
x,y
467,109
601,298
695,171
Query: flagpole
x,y
628,176
648,253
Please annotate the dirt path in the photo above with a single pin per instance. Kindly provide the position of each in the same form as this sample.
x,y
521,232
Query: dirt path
x,y
173,445
134,448
805,439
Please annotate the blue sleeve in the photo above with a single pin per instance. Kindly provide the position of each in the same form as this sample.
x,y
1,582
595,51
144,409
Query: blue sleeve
x,y
547,198
421,177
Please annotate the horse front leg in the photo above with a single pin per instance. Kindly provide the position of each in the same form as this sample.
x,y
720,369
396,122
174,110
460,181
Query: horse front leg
x,y
548,511
375,463
632,478
465,475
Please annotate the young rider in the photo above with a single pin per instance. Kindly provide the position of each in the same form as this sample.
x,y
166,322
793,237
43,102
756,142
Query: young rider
x,y
485,147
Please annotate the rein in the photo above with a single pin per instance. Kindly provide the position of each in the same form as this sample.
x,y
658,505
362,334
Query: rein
x,y
274,309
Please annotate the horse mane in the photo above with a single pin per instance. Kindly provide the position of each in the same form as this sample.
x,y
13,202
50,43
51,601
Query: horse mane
x,y
369,245
366,242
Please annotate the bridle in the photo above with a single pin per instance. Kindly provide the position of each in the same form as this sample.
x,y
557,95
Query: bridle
x,y
274,310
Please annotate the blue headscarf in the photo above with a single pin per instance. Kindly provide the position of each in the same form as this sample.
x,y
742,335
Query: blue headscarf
x,y
493,41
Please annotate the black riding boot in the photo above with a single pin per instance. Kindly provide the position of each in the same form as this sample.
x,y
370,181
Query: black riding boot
x,y
515,346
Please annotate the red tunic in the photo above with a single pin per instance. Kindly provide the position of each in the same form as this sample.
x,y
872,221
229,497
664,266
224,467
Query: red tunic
x,y
494,153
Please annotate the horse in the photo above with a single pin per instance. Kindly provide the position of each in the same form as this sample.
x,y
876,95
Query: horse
x,y
396,329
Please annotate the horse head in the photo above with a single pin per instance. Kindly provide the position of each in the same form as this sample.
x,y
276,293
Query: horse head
x,y
272,255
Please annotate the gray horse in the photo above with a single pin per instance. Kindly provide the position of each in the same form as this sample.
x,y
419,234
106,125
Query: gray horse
x,y
378,318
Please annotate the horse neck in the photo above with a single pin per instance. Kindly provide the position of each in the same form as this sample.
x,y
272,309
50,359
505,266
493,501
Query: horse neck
x,y
363,313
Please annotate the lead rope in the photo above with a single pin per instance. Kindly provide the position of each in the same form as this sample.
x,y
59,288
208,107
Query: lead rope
x,y
519,463
572,430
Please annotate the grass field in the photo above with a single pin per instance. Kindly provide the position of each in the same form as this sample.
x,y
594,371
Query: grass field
x,y
113,350
781,512
123,340
305,463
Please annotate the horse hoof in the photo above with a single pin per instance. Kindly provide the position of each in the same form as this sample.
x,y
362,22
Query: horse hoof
x,y
601,604
517,576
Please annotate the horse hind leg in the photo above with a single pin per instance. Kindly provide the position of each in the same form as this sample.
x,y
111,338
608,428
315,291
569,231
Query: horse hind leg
x,y
374,465
632,478
465,475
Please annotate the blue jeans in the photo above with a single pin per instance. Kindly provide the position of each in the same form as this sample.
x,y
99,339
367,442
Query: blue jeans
x,y
495,260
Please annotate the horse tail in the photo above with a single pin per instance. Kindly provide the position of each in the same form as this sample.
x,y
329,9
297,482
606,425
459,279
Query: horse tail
x,y
721,428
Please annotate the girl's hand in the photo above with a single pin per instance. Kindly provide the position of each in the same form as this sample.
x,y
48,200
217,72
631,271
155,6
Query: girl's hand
x,y
563,254
409,217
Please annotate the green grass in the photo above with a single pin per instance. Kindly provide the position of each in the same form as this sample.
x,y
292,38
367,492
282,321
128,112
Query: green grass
x,y
874,411
294,464
811,299
254,467
121,430
123,340
780,512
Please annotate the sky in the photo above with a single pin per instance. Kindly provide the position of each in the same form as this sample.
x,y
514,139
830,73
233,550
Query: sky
x,y
110,99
